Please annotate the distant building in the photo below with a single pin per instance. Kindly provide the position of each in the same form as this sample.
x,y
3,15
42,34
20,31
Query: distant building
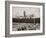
x,y
24,16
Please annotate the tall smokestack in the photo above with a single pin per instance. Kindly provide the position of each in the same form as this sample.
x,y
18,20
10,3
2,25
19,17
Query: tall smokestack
x,y
24,14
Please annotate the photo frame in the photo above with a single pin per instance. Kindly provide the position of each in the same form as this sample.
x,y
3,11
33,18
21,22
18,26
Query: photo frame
x,y
24,18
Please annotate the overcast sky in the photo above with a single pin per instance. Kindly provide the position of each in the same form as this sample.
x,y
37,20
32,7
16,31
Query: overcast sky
x,y
18,11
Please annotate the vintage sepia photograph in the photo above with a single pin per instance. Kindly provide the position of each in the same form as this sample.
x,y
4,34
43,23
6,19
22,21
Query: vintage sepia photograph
x,y
25,18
